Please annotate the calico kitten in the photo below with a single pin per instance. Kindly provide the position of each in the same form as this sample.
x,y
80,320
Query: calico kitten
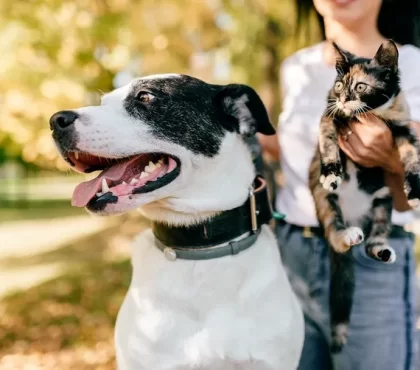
x,y
362,200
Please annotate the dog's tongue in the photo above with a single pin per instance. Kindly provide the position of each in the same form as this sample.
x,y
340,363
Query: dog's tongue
x,y
85,191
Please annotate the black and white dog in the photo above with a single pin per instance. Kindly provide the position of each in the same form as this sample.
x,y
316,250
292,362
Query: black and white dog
x,y
208,289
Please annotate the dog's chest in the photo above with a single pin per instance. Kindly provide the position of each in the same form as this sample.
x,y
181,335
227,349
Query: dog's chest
x,y
208,314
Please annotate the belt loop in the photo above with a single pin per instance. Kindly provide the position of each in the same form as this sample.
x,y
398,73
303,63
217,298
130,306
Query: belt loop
x,y
307,232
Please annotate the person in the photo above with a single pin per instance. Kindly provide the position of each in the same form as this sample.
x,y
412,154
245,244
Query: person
x,y
382,324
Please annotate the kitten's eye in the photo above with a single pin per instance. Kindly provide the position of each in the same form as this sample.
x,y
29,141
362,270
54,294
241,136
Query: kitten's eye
x,y
144,97
338,86
360,87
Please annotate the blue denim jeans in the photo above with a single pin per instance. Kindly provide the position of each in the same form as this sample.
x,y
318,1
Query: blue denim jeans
x,y
382,323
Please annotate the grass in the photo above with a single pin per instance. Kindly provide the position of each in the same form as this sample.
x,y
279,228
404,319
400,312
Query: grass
x,y
37,209
68,322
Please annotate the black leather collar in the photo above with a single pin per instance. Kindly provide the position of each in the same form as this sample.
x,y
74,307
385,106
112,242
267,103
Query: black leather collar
x,y
222,228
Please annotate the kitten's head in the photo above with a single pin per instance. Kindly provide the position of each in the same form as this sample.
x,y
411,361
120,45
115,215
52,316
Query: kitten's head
x,y
364,84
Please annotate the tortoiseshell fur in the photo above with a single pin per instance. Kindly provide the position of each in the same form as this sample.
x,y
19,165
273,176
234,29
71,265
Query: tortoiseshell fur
x,y
353,203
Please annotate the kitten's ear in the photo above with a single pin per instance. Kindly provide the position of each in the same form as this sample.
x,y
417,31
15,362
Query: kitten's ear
x,y
243,110
387,55
341,56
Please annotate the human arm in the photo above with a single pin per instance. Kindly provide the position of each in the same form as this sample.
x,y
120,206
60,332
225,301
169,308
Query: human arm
x,y
371,145
270,146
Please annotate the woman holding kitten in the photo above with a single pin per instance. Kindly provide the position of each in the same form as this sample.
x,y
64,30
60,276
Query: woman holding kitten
x,y
382,327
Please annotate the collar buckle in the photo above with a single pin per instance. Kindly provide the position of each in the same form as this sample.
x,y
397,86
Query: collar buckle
x,y
253,209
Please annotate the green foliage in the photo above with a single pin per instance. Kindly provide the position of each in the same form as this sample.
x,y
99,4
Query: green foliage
x,y
60,54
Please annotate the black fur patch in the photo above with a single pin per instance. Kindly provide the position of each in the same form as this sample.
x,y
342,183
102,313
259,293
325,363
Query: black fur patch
x,y
331,168
181,112
66,141
189,112
98,204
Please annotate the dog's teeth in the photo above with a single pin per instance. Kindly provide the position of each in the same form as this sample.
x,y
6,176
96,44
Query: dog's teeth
x,y
76,155
124,183
98,194
158,165
150,168
143,175
105,187
133,181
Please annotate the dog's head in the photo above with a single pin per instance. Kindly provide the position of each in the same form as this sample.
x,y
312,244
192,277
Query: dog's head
x,y
172,142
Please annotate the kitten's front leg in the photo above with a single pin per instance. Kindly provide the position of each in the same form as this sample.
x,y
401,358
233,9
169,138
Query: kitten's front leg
x,y
331,167
409,148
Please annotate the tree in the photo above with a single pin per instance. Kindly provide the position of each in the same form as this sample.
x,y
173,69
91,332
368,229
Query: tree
x,y
60,54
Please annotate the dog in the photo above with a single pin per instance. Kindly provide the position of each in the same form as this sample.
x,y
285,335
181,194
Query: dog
x,y
208,288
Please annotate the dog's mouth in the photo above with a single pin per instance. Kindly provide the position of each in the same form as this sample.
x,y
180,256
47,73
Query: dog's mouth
x,y
121,177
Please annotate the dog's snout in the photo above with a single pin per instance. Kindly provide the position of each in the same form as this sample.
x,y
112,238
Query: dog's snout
x,y
63,119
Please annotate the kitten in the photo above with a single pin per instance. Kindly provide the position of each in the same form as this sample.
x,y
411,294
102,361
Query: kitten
x,y
363,200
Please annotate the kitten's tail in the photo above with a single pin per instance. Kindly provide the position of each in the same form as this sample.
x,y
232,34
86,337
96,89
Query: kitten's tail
x,y
341,297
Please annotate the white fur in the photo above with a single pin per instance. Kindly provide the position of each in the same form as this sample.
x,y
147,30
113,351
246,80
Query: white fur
x,y
354,202
377,249
246,120
329,181
235,312
161,76
354,235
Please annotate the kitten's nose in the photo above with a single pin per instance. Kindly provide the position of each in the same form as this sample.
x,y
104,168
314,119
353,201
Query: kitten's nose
x,y
340,105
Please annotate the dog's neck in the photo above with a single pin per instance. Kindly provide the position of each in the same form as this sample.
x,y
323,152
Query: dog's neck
x,y
217,185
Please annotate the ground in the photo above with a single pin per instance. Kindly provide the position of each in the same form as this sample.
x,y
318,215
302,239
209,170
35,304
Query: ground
x,y
63,280
64,274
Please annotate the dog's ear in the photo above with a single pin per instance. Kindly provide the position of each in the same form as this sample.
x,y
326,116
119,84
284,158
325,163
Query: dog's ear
x,y
243,110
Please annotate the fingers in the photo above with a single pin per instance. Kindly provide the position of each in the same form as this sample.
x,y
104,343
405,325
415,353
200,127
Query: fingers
x,y
347,146
372,131
369,119
353,147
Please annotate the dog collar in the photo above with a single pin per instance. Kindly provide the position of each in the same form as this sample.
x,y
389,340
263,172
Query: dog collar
x,y
218,236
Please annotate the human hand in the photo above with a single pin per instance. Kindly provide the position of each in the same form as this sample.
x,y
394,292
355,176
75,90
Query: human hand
x,y
370,144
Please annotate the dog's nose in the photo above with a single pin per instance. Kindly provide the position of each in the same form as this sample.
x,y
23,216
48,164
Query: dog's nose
x,y
62,120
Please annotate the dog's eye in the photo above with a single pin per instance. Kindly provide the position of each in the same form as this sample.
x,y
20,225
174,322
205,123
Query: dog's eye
x,y
144,97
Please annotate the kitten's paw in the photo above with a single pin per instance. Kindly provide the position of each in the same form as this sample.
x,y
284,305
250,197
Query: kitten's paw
x,y
330,182
382,253
339,335
353,236
412,191
413,203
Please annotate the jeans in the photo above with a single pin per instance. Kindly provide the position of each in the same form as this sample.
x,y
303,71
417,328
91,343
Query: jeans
x,y
382,323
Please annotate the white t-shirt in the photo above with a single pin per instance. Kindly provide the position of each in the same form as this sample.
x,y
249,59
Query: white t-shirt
x,y
305,82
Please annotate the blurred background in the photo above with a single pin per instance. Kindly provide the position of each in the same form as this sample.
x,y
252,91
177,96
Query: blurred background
x,y
64,273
